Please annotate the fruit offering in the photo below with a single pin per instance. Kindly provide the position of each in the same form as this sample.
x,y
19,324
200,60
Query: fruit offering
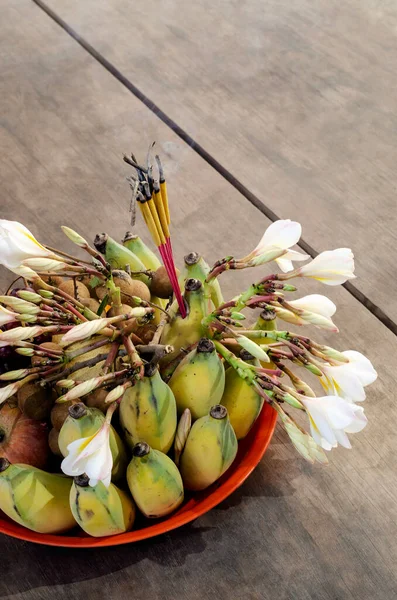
x,y
126,384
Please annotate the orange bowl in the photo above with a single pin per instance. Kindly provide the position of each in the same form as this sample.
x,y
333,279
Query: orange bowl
x,y
251,450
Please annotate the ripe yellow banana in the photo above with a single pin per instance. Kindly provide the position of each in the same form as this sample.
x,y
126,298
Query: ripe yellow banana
x,y
210,449
100,510
84,421
35,499
154,481
242,401
182,333
138,247
85,373
197,268
118,256
199,380
148,412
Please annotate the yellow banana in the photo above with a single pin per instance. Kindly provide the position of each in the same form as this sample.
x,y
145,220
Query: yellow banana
x,y
85,373
139,248
83,422
100,510
242,401
148,412
154,481
35,499
182,333
199,380
119,257
196,267
266,322
210,449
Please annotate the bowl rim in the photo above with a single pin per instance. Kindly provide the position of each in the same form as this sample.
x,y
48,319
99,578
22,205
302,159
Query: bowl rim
x,y
251,450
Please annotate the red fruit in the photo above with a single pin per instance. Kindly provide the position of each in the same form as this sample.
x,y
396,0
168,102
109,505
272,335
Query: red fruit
x,y
22,440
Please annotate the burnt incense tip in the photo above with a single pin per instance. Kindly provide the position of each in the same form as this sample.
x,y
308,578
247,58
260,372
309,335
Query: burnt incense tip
x,y
156,186
82,480
245,355
268,315
205,345
141,449
150,369
148,193
192,258
129,236
4,464
192,285
218,412
100,242
76,411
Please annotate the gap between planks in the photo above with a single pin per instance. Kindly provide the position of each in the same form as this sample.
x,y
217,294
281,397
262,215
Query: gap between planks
x,y
212,161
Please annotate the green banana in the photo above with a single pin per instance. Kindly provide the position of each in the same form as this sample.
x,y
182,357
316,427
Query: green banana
x,y
158,314
35,499
100,510
84,421
181,332
242,401
199,380
197,268
266,322
154,481
118,256
148,412
139,248
210,449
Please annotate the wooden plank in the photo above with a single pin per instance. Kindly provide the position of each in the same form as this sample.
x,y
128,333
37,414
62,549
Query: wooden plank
x,y
293,531
296,99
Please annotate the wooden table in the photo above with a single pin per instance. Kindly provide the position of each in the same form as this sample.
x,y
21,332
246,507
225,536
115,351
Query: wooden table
x,y
293,105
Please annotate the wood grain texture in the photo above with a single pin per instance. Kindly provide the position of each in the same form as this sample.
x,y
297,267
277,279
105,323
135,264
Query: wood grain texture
x,y
296,99
293,531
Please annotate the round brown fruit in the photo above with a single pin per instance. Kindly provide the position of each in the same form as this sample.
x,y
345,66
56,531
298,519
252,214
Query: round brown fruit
x,y
128,287
97,399
54,280
90,303
53,442
22,440
69,288
125,310
161,284
146,332
35,401
59,414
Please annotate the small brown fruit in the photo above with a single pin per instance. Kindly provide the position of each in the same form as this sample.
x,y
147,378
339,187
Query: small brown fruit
x,y
146,332
90,303
128,287
69,288
54,280
59,413
125,310
53,442
35,401
97,399
161,285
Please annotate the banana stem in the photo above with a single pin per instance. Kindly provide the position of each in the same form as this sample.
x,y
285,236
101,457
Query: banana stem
x,y
159,331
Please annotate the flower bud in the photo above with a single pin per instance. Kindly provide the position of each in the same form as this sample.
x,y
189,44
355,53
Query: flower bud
x,y
25,351
45,264
19,305
252,348
115,394
46,294
14,375
66,383
29,296
27,318
74,237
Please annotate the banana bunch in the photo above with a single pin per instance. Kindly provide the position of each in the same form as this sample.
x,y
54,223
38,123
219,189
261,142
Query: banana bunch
x,y
210,449
83,422
154,481
35,499
148,412
199,380
100,510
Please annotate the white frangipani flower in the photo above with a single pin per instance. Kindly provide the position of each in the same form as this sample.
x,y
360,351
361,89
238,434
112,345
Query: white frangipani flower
x,y
17,243
6,316
315,309
331,418
91,455
349,379
19,334
275,244
332,267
